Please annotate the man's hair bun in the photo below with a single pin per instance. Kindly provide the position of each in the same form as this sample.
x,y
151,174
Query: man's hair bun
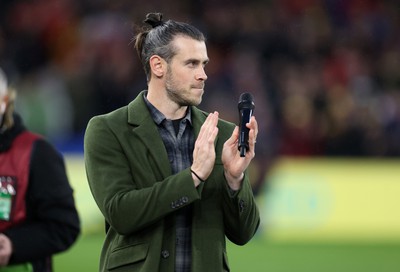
x,y
154,19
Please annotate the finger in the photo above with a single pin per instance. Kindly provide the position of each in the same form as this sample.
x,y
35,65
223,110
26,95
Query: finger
x,y
213,135
253,119
213,128
234,137
252,139
214,118
253,124
211,125
205,127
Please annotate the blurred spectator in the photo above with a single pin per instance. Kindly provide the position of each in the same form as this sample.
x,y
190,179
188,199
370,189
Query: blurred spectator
x,y
324,73
38,217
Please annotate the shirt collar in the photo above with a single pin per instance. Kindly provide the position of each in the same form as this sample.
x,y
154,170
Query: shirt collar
x,y
159,117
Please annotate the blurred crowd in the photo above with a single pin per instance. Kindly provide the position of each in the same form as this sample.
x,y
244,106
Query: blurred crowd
x,y
324,73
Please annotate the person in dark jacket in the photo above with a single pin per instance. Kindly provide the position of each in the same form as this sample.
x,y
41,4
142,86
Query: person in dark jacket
x,y
167,176
38,216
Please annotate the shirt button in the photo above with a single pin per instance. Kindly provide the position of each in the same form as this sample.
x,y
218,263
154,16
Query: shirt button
x,y
165,254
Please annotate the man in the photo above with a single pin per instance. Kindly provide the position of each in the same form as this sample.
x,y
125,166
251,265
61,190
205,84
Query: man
x,y
167,176
38,217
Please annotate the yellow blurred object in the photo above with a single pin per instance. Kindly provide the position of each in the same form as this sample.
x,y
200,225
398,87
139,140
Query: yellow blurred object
x,y
321,199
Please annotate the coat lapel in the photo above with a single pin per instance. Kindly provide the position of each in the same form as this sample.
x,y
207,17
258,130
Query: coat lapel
x,y
144,128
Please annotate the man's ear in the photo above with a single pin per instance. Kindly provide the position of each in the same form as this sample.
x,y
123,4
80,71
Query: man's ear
x,y
157,65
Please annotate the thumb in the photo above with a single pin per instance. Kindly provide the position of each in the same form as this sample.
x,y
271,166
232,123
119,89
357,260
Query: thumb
x,y
234,137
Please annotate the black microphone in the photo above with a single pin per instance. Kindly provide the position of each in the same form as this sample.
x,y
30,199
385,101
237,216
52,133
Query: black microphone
x,y
246,108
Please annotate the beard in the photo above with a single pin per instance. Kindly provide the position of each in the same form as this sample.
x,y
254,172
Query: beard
x,y
181,96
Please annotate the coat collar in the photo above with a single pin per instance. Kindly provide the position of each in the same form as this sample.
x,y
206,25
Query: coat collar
x,y
139,115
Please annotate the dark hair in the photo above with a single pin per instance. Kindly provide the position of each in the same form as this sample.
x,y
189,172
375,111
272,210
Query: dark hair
x,y
157,40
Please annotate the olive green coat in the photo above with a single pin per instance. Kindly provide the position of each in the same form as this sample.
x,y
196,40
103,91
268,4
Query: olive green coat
x,y
131,181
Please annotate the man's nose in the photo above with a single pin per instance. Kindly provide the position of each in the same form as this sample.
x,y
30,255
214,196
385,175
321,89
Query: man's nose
x,y
201,75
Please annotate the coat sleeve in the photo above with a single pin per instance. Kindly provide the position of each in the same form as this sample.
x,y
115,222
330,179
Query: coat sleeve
x,y
52,224
241,214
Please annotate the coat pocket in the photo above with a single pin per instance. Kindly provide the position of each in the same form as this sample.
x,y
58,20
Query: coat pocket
x,y
127,255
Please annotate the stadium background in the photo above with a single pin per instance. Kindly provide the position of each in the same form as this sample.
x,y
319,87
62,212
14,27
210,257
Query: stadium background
x,y
326,80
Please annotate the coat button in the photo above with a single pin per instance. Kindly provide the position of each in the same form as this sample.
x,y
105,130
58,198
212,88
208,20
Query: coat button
x,y
165,254
242,205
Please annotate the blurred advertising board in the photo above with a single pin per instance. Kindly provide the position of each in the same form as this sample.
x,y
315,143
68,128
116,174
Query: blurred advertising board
x,y
321,199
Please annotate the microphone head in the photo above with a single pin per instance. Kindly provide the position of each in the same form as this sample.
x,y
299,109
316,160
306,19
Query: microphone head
x,y
246,101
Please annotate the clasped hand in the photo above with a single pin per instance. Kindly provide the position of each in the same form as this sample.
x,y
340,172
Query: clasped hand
x,y
234,165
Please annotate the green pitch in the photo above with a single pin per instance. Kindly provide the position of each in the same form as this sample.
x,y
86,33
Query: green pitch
x,y
260,255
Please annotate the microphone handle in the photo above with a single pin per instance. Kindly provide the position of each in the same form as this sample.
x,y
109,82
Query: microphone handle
x,y
245,115
243,151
